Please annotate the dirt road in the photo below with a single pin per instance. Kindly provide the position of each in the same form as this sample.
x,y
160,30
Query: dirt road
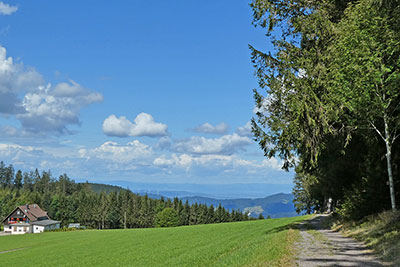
x,y
320,246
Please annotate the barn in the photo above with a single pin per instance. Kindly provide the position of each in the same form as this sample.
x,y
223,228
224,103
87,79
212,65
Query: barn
x,y
29,218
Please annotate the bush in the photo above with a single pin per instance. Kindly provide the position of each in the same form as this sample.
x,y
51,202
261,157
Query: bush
x,y
168,217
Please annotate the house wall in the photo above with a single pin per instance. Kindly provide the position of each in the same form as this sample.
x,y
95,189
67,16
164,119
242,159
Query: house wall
x,y
17,229
7,228
37,229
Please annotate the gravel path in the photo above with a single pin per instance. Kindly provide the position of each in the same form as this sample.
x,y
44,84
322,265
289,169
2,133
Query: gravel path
x,y
325,247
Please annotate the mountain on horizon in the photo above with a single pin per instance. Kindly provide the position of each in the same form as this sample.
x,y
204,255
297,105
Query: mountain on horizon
x,y
217,191
275,206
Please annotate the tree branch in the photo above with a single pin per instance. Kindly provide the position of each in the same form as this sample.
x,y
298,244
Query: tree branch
x,y
376,129
394,138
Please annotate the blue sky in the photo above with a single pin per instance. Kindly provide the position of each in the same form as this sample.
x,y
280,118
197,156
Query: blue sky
x,y
143,91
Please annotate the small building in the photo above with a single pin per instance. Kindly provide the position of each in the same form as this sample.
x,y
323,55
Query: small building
x,y
28,219
74,225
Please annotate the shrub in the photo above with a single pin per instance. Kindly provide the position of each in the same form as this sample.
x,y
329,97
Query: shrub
x,y
168,217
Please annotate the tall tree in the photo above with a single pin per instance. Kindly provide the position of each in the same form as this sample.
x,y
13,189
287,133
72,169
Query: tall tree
x,y
295,112
366,71
18,180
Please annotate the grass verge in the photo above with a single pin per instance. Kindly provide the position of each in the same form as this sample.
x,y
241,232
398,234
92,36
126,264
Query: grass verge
x,y
381,232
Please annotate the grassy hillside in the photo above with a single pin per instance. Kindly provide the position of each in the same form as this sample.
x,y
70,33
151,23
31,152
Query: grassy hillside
x,y
255,243
276,206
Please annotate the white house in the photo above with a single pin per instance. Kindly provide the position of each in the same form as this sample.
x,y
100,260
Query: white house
x,y
28,219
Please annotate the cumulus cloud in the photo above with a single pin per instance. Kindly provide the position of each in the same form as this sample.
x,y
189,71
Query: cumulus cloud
x,y
227,144
182,161
6,9
164,143
112,151
221,128
43,108
49,111
14,80
245,130
143,125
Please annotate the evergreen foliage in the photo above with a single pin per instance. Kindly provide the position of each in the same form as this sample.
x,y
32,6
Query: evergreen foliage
x,y
329,100
69,202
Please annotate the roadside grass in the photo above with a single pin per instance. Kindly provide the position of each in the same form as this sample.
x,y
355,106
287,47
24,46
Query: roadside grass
x,y
253,243
381,232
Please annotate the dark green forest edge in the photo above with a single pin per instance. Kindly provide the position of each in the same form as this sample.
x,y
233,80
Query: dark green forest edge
x,y
329,106
99,206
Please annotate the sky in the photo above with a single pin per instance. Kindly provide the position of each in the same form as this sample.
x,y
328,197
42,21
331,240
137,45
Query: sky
x,y
140,91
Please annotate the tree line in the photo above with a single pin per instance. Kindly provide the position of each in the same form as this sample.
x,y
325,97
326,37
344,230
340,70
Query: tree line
x,y
329,100
71,202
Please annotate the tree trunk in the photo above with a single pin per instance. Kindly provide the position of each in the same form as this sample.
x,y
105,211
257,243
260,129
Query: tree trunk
x,y
389,162
125,220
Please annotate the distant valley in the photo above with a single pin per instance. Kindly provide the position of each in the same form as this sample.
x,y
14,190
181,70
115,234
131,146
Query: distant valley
x,y
275,206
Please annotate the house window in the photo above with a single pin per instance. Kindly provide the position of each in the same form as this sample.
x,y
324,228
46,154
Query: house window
x,y
37,228
9,227
18,212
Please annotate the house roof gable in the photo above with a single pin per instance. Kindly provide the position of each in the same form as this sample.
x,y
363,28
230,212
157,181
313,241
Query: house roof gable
x,y
32,211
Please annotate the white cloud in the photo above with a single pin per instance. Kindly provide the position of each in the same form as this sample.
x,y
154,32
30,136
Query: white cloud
x,y
49,111
163,143
272,163
226,144
143,125
15,79
217,163
12,149
112,151
221,128
6,9
182,161
126,161
185,161
245,130
44,108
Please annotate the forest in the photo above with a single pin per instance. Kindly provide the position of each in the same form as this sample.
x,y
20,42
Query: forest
x,y
71,202
329,100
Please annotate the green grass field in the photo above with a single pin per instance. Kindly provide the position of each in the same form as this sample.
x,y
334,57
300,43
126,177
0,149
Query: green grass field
x,y
252,243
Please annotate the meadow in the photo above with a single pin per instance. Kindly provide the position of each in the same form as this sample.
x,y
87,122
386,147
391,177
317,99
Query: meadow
x,y
251,243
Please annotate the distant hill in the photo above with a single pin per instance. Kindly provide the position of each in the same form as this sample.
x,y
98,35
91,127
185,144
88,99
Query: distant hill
x,y
98,188
218,191
276,206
